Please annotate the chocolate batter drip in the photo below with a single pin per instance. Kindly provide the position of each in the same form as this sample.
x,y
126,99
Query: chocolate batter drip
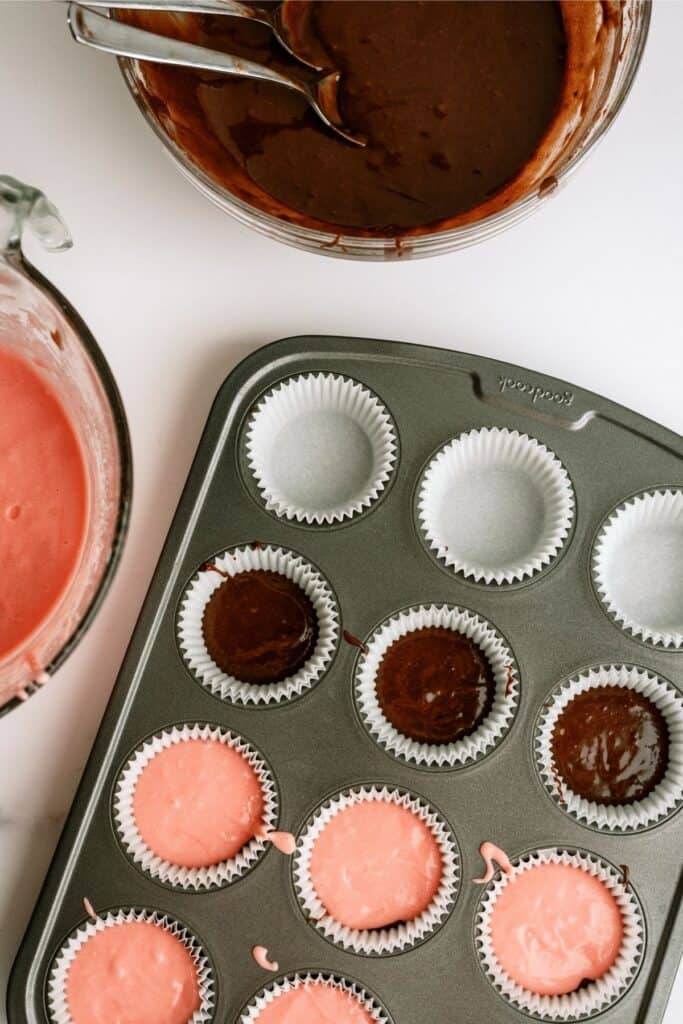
x,y
260,627
435,685
454,99
611,745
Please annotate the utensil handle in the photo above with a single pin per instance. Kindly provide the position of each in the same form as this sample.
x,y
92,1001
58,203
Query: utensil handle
x,y
231,7
115,37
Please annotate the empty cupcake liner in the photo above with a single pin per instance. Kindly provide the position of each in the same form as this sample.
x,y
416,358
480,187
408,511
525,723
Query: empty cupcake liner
x,y
288,443
484,487
56,986
637,567
380,941
246,559
596,996
664,799
267,995
193,879
499,656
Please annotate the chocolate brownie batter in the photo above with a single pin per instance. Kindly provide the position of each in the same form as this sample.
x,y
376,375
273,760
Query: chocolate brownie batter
x,y
260,627
453,97
610,745
435,685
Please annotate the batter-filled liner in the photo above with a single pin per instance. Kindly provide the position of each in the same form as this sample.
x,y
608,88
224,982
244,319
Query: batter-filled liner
x,y
270,993
399,937
253,559
57,981
193,879
656,806
494,725
593,997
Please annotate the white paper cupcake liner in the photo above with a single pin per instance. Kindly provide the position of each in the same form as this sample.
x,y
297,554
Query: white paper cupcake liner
x,y
56,986
665,798
193,879
637,567
505,674
191,634
379,941
598,995
267,995
495,505
321,448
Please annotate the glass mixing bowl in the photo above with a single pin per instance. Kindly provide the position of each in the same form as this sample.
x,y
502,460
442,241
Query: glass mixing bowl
x,y
628,28
39,323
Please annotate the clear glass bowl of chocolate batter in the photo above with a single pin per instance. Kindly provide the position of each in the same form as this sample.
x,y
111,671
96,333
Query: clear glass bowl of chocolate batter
x,y
474,113
43,335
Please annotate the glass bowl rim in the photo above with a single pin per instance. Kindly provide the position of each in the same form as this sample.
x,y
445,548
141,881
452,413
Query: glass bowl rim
x,y
333,243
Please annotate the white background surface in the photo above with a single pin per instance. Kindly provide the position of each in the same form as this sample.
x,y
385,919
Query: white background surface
x,y
589,290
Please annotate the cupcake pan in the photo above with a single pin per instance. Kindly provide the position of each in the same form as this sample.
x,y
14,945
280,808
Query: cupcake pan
x,y
377,563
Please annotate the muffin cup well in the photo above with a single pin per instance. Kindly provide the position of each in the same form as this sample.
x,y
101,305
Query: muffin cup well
x,y
379,941
321,448
665,798
196,878
247,559
637,567
505,674
250,1014
56,985
597,995
496,506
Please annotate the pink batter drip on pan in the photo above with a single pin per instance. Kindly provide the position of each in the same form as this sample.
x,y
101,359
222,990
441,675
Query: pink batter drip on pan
x,y
285,842
489,853
89,909
260,955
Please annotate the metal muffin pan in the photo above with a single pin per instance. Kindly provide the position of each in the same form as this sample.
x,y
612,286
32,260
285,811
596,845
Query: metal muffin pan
x,y
378,563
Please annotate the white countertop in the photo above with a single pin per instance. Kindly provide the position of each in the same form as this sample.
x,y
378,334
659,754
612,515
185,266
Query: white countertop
x,y
588,290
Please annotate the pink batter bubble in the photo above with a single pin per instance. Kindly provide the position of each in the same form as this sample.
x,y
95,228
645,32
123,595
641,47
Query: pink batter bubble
x,y
132,973
315,1002
197,803
554,926
43,500
375,864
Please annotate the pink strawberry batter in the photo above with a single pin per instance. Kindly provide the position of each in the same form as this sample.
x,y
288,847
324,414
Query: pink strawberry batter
x,y
490,853
285,842
315,1002
260,955
375,864
553,926
43,500
197,803
132,973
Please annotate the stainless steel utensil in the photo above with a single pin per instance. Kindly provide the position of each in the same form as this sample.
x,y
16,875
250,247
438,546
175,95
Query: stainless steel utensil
x,y
281,20
115,37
